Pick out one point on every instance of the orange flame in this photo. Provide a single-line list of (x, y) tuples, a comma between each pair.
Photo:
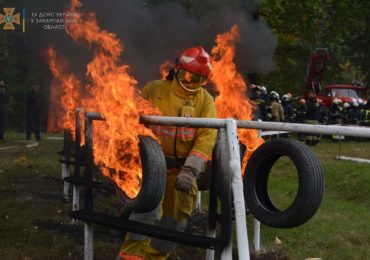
[(232, 100), (63, 87), (113, 93), (165, 68)]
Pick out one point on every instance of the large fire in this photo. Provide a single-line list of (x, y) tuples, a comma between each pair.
[(232, 100), (113, 92)]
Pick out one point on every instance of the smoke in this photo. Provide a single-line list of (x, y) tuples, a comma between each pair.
[(153, 33)]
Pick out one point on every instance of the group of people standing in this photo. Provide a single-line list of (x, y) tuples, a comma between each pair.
[(33, 110), (270, 107), (285, 109)]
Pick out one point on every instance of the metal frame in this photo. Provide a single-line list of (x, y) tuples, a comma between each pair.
[(231, 126)]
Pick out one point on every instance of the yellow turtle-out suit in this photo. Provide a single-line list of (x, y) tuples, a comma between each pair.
[(177, 142)]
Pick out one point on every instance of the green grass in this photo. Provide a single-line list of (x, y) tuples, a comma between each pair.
[(35, 223), (341, 227)]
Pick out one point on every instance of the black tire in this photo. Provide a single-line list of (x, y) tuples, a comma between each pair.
[(221, 188), (310, 188), (153, 181)]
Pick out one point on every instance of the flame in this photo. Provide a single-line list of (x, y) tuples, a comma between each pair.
[(63, 87), (112, 91), (164, 69), (232, 100)]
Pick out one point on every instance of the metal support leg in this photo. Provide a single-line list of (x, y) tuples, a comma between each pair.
[(237, 189), (66, 184), (76, 201), (198, 206), (256, 235), (210, 254), (89, 250), (65, 173)]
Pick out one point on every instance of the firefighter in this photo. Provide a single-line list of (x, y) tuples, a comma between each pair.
[(345, 113), (323, 111), (366, 114), (3, 104), (259, 99), (187, 150), (277, 111), (289, 109), (312, 117), (354, 115), (335, 112), (301, 115)]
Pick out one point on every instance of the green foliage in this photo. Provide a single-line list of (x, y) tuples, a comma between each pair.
[(341, 26)]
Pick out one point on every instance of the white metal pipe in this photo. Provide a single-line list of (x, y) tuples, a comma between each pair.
[(256, 223), (307, 129), (290, 127), (237, 189), (353, 159), (89, 249), (256, 235)]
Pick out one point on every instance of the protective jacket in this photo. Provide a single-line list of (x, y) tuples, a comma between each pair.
[(172, 100), (277, 111)]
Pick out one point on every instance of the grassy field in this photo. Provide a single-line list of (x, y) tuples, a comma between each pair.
[(35, 224)]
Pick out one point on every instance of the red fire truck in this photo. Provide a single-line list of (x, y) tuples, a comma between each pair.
[(348, 93)]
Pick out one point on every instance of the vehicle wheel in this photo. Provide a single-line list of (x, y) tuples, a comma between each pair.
[(310, 183), (153, 180)]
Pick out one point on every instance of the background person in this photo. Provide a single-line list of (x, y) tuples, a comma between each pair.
[(3, 105), (33, 103)]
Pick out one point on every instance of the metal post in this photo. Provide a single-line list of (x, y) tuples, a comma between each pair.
[(257, 225), (237, 189), (89, 250), (198, 206), (65, 173), (77, 165), (88, 175), (210, 253), (256, 235), (76, 198)]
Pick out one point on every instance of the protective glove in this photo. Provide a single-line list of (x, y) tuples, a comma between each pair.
[(188, 172)]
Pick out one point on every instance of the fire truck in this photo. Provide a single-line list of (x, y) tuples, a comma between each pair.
[(348, 93)]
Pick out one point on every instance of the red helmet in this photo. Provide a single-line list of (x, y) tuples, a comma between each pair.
[(195, 60)]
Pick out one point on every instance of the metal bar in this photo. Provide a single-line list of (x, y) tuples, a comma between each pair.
[(237, 189), (353, 159), (290, 127), (147, 230), (89, 246), (308, 129), (89, 165), (94, 116), (77, 163), (183, 121)]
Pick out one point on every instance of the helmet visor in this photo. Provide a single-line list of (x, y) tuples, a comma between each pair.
[(188, 78)]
